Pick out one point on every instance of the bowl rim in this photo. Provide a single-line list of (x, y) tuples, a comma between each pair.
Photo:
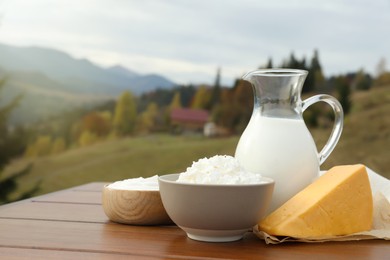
[(105, 187), (163, 178)]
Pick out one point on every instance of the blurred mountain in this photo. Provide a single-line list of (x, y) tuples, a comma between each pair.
[(120, 70), (78, 75), (51, 81)]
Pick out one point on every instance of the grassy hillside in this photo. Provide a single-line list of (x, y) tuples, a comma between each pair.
[(366, 139), (43, 97), (120, 159), (366, 135)]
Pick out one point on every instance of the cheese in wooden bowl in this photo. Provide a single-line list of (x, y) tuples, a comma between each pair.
[(135, 201), (337, 203)]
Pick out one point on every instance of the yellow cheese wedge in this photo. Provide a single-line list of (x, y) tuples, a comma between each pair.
[(337, 203)]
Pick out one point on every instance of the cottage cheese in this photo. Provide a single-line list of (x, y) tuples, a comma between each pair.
[(220, 169), (140, 183)]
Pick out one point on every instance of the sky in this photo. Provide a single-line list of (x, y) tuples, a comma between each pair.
[(187, 40)]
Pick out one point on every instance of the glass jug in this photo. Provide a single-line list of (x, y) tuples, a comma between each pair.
[(276, 142)]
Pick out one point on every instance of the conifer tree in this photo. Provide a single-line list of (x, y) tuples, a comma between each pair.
[(216, 92), (269, 64), (315, 78)]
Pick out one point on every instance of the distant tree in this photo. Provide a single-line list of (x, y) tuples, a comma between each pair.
[(125, 115), (176, 101), (9, 148), (243, 100), (266, 65), (216, 91), (226, 113), (315, 78), (292, 63), (315, 62), (163, 97), (187, 92), (381, 67), (98, 123), (311, 116), (269, 64), (382, 80), (148, 119), (201, 99), (236, 106), (243, 94), (106, 115), (344, 93), (316, 69), (362, 80)]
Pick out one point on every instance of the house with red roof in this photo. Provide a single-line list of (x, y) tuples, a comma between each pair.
[(188, 120)]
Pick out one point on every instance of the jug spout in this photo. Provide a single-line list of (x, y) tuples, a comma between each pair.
[(277, 92), (274, 73)]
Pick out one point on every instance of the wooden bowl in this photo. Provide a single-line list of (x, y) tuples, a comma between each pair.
[(135, 207)]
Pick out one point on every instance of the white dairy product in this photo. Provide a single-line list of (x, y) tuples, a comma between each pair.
[(219, 169), (281, 149), (140, 183)]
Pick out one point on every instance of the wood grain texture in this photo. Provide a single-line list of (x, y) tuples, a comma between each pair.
[(165, 241), (48, 211), (134, 207), (28, 254), (72, 230), (73, 196)]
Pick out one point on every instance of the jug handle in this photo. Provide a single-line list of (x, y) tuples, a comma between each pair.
[(337, 126)]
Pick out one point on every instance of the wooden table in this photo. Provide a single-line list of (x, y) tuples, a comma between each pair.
[(71, 224)]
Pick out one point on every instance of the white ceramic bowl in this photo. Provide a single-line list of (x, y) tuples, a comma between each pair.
[(215, 213)]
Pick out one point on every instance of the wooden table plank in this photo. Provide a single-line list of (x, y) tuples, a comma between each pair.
[(29, 253), (165, 241), (72, 196), (75, 236), (73, 204), (50, 211), (71, 224)]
